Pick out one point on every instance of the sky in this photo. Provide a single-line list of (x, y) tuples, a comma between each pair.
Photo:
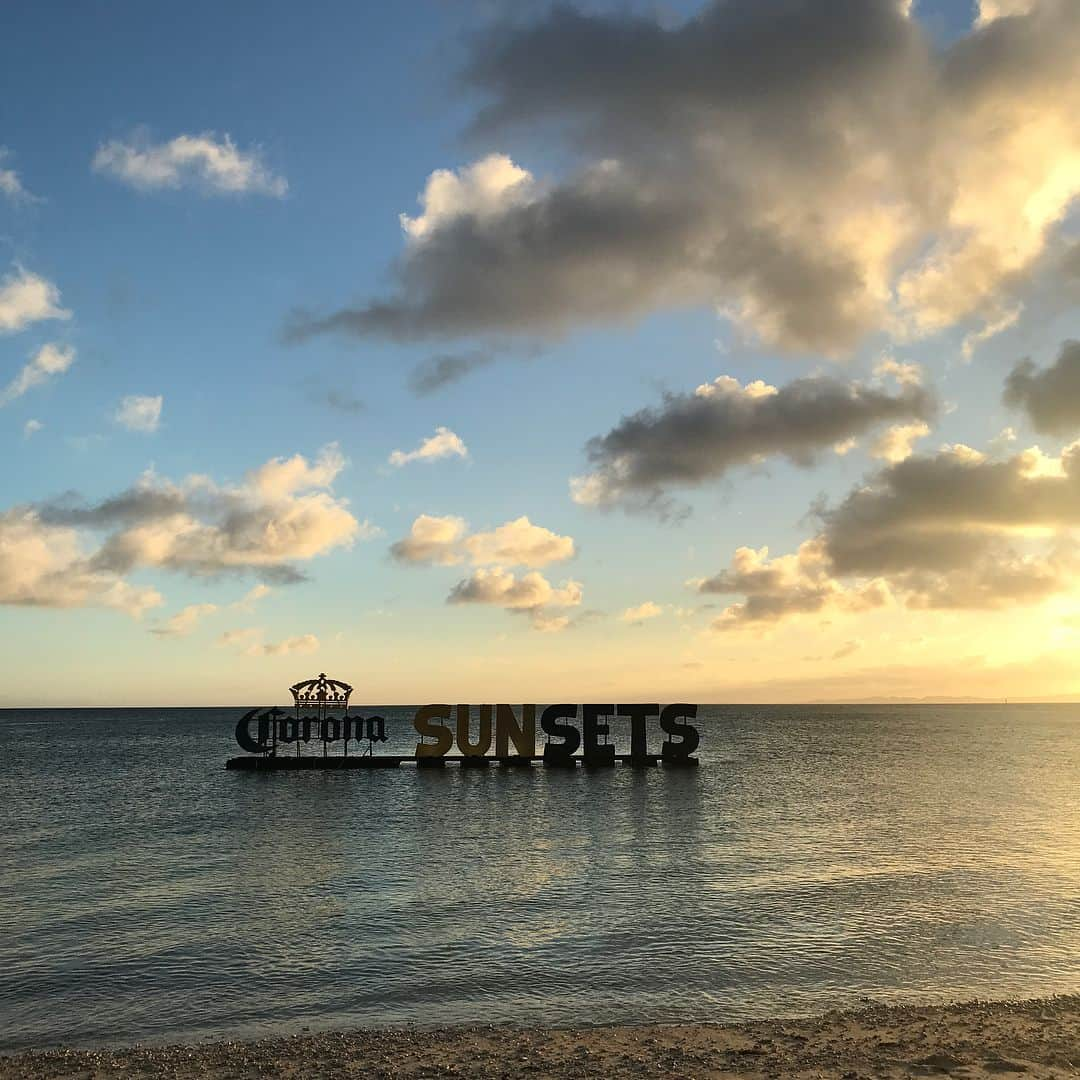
[(491, 352)]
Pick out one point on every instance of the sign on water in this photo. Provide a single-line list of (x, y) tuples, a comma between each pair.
[(320, 715)]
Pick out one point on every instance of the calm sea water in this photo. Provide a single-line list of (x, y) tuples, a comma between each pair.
[(820, 855)]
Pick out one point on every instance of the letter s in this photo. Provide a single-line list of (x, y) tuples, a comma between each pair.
[(669, 723), (426, 728), (549, 722)]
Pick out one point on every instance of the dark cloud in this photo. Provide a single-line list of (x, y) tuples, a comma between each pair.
[(439, 371), (137, 504), (953, 530), (938, 512), (693, 438), (343, 402), (1051, 396), (815, 167)]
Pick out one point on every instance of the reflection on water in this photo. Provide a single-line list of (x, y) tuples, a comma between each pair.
[(819, 855)]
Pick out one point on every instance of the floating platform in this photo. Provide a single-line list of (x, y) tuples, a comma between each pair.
[(291, 763)]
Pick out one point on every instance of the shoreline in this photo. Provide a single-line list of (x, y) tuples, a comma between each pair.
[(1031, 1038)]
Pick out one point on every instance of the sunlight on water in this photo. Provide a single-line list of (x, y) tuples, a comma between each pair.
[(819, 855)]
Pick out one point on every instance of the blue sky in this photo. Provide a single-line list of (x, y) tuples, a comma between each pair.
[(181, 291)]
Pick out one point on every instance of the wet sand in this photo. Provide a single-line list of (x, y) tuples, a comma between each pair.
[(976, 1039)]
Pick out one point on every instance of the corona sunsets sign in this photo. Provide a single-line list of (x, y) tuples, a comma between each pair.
[(481, 735)]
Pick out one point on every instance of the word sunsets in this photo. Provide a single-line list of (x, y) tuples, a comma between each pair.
[(500, 726)]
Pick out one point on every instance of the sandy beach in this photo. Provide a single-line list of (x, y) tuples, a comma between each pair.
[(1039, 1038)]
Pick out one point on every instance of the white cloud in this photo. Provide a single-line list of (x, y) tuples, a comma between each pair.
[(184, 621), (444, 443), (137, 412), (638, 614), (27, 298), (445, 541), (11, 187), (48, 361), (483, 189), (989, 10), (31, 427), (211, 165), (43, 565), (432, 539), (905, 373), (897, 443), (281, 477)]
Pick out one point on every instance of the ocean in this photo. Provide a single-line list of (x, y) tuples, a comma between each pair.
[(820, 856)]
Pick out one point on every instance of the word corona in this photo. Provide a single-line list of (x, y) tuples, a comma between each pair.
[(558, 723)]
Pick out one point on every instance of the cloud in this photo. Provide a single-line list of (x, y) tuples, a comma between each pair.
[(137, 412), (445, 541), (530, 594), (849, 648), (343, 402), (31, 427), (989, 10), (44, 565), (897, 443), (11, 187), (439, 371), (1051, 396), (694, 438), (252, 597), (50, 360), (1008, 318), (249, 642), (820, 171), (444, 443), (281, 514), (638, 615), (184, 621), (304, 644), (432, 539), (27, 298), (952, 530), (204, 162), (789, 585)]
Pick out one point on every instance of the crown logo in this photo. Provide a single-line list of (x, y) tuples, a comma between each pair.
[(320, 693)]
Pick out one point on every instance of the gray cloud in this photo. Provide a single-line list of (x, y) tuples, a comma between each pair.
[(1050, 396), (693, 438), (282, 514), (799, 164), (939, 512), (439, 371), (343, 402), (953, 530)]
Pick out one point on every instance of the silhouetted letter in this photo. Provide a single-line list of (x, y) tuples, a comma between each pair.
[(639, 736), (549, 722), (592, 729), (669, 723), (424, 722), (243, 733), (508, 730), (483, 741)]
